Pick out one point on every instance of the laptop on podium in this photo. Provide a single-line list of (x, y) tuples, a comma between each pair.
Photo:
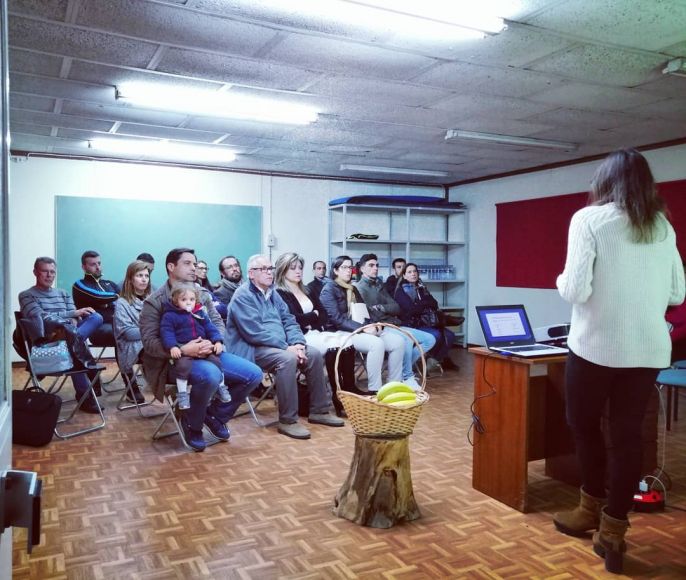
[(507, 330)]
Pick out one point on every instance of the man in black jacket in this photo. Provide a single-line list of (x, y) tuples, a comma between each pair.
[(319, 271), (97, 293)]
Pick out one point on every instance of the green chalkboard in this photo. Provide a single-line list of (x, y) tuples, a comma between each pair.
[(120, 229)]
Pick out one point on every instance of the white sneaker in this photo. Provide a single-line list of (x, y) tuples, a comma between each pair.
[(223, 394), (412, 382), (183, 400)]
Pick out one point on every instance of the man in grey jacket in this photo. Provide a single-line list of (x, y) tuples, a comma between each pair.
[(230, 278), (261, 328), (240, 375), (383, 308)]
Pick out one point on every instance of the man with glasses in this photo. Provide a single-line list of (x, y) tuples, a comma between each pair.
[(383, 308), (230, 278), (240, 375), (261, 328)]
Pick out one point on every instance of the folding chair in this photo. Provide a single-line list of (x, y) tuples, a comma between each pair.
[(268, 392), (103, 345), (125, 404), (173, 414), (58, 380)]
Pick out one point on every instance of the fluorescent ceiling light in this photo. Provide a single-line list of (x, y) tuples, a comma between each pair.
[(164, 149), (392, 170), (676, 67), (454, 134), (215, 104), (479, 16)]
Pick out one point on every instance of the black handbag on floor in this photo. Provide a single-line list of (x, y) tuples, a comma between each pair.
[(34, 416)]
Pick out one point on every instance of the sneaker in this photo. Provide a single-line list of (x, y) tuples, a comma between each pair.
[(137, 396), (217, 428), (294, 430), (326, 419), (194, 438), (412, 383), (223, 394), (447, 363), (183, 400)]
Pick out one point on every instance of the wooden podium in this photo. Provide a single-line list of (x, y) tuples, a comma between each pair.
[(520, 404)]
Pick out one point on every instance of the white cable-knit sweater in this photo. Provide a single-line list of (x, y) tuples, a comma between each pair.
[(620, 289)]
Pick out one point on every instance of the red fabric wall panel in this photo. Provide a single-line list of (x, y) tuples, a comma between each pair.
[(531, 237)]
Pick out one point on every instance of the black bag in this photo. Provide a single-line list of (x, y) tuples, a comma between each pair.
[(34, 416), (431, 319)]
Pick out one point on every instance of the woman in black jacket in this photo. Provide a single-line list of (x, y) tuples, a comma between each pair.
[(338, 298), (311, 316), (419, 309)]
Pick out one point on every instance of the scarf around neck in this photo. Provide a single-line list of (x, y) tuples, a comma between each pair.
[(349, 292)]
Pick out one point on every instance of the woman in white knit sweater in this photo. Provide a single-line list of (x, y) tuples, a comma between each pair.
[(622, 271)]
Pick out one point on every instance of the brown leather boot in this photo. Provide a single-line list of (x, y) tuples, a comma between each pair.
[(608, 542), (583, 518)]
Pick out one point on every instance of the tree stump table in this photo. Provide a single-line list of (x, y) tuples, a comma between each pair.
[(378, 490)]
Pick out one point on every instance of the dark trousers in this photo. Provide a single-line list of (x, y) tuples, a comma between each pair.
[(184, 365), (626, 391)]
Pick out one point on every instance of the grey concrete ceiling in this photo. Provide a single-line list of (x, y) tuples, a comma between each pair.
[(582, 71)]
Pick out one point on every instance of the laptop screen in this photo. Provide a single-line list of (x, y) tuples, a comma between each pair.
[(505, 325)]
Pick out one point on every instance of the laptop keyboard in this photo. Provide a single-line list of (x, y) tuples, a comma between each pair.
[(527, 348)]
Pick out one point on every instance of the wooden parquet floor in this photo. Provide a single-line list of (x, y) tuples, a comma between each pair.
[(117, 505)]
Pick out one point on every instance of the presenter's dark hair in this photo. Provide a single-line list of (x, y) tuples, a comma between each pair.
[(89, 254), (337, 263), (174, 255), (624, 178)]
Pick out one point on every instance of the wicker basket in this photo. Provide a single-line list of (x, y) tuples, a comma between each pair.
[(368, 417)]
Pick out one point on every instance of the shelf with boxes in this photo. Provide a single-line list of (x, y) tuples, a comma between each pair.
[(434, 238)]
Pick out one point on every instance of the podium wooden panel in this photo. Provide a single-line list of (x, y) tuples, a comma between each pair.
[(523, 420)]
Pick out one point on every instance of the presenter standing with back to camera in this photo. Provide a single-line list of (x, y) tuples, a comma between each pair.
[(622, 271)]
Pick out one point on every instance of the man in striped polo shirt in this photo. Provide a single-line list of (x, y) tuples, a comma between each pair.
[(49, 309)]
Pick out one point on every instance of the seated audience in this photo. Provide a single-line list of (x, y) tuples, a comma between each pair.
[(392, 281), (239, 375), (201, 278), (231, 278), (311, 316), (260, 328), (319, 271), (338, 298), (419, 309), (383, 308), (182, 322), (127, 311), (150, 261), (49, 310), (93, 291)]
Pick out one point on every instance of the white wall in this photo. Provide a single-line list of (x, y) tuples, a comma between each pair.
[(543, 306), (294, 210)]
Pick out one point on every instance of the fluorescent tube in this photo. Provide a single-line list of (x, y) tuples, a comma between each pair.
[(455, 134), (164, 149), (392, 170)]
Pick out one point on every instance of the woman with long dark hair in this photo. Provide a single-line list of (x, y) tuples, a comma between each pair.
[(419, 309), (339, 298), (621, 273)]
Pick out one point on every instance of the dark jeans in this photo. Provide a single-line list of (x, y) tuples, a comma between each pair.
[(183, 365), (240, 376), (589, 388), (444, 341)]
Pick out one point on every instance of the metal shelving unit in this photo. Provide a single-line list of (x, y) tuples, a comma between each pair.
[(433, 238)]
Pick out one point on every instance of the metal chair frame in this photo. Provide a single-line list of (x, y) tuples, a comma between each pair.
[(124, 405), (270, 390), (59, 378), (172, 414)]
